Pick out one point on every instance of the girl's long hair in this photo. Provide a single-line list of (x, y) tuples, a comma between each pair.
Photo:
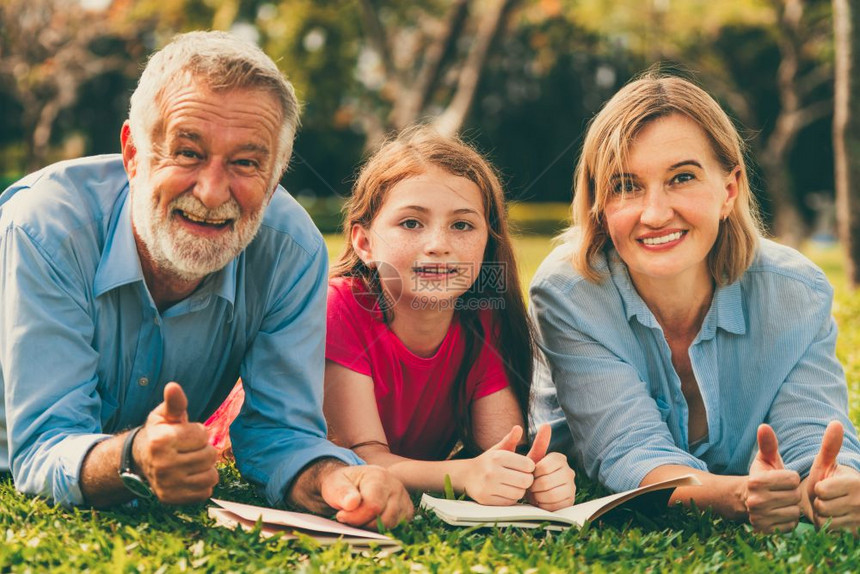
[(497, 286)]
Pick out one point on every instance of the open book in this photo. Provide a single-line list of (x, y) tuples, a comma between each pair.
[(292, 524), (467, 513)]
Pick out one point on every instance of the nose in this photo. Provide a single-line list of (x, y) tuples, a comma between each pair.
[(212, 187), (438, 242), (657, 210)]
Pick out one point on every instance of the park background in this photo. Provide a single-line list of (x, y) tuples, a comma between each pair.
[(519, 79)]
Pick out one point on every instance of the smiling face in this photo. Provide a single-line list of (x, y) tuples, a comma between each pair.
[(428, 239), (663, 214), (199, 195)]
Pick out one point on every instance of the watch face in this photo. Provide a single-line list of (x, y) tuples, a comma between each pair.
[(136, 485)]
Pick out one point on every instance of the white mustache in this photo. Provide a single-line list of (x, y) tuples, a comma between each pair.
[(193, 206)]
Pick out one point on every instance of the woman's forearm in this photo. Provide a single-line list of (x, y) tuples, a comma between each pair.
[(726, 495)]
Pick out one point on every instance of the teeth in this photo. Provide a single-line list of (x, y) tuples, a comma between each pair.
[(436, 270), (196, 219), (661, 240)]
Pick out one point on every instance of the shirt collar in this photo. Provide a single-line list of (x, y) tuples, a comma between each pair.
[(726, 312), (120, 264)]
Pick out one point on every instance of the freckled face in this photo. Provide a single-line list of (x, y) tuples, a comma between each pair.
[(663, 214), (431, 235), (198, 198)]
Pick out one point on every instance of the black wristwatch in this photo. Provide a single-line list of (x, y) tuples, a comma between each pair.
[(132, 481)]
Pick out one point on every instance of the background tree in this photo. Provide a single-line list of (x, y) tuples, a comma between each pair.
[(846, 133), (49, 51)]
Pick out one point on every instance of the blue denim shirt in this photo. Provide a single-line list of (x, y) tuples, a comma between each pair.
[(765, 353), (85, 353)]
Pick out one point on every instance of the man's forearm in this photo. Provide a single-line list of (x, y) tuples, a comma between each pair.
[(306, 490), (100, 482)]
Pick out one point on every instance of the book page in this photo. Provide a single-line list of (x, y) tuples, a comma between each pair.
[(297, 520), (471, 513), (592, 509)]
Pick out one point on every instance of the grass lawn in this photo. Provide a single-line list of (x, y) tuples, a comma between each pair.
[(35, 537)]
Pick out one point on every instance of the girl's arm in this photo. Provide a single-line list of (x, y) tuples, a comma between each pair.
[(499, 476)]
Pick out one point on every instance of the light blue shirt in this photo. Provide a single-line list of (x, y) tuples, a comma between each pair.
[(85, 353), (765, 353)]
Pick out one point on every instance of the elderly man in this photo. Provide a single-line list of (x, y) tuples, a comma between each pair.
[(135, 290)]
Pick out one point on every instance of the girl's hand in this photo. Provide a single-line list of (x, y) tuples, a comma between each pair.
[(772, 492), (499, 476), (833, 489), (553, 487)]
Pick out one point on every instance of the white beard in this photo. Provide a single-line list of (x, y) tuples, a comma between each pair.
[(180, 253)]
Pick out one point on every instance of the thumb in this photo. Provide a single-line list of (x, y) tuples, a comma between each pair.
[(768, 447), (541, 443), (175, 405), (339, 492), (511, 440), (831, 443)]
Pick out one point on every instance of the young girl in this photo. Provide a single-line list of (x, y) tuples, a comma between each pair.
[(428, 340)]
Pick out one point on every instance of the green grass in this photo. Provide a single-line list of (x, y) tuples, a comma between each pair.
[(35, 537)]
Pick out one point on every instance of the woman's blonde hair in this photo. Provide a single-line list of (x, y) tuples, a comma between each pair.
[(605, 151)]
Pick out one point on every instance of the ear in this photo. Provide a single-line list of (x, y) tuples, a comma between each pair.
[(129, 150), (732, 185), (361, 244)]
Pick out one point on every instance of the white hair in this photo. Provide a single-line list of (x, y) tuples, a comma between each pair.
[(221, 62)]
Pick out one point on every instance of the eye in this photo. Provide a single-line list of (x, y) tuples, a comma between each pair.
[(462, 226), (410, 224), (186, 155), (623, 185), (246, 166), (683, 178)]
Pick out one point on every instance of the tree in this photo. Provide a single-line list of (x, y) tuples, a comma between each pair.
[(846, 132), (49, 49)]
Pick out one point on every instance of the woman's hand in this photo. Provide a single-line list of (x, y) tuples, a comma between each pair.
[(833, 489), (773, 492), (499, 476), (553, 487)]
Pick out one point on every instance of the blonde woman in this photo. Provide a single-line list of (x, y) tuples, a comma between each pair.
[(678, 339)]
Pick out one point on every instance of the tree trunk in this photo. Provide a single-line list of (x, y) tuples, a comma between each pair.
[(846, 133)]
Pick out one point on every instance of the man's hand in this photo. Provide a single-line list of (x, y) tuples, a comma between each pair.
[(773, 492), (553, 487), (361, 494), (833, 489), (499, 476), (174, 455)]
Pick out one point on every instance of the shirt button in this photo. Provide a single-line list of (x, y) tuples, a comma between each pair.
[(143, 381)]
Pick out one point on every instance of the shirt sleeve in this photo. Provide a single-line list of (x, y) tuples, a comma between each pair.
[(52, 404), (280, 429), (813, 394), (618, 430), (345, 344)]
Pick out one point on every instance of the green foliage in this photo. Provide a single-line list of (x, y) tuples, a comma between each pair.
[(36, 537)]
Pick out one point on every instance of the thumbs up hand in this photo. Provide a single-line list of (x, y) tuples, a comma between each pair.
[(833, 489), (174, 455), (553, 487), (499, 476), (772, 492)]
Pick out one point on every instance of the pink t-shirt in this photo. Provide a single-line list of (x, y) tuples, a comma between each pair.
[(412, 392)]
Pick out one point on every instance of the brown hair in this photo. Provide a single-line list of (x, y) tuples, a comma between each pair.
[(410, 154), (604, 153)]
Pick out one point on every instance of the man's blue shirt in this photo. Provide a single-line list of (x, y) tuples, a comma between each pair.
[(84, 353), (765, 354)]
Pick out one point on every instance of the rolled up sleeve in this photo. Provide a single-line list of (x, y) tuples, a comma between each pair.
[(281, 428), (618, 430), (52, 407)]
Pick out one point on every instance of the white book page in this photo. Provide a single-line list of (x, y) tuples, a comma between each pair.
[(296, 520), (464, 511)]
